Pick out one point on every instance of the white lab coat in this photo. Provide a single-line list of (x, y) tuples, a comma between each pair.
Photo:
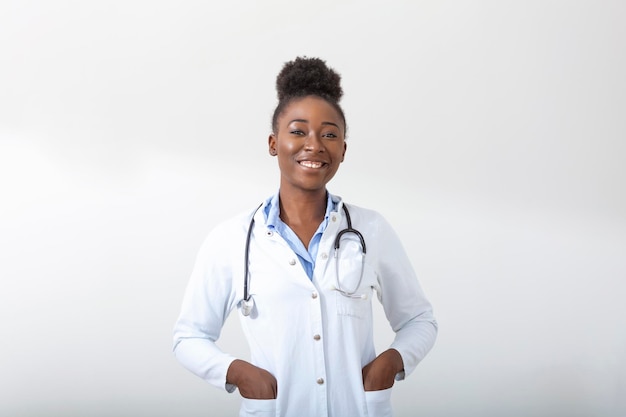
[(313, 339)]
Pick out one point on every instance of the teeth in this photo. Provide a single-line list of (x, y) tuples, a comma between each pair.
[(311, 164)]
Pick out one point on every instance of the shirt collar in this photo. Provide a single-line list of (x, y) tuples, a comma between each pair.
[(271, 210)]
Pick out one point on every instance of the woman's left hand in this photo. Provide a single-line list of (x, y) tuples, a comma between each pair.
[(380, 373)]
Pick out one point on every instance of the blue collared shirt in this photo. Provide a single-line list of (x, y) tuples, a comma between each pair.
[(271, 209)]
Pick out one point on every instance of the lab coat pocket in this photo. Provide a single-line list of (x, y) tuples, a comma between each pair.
[(351, 305), (257, 408), (378, 403), (349, 266), (354, 280)]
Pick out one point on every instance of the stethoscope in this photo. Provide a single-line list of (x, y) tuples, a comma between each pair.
[(248, 302)]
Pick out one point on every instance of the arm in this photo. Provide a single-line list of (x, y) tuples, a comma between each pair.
[(407, 309), (208, 300)]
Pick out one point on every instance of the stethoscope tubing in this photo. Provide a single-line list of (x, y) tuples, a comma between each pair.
[(247, 302), (246, 273), (349, 229)]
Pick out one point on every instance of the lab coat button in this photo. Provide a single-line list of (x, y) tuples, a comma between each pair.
[(334, 218), (324, 255), (314, 295), (317, 337), (320, 381), (292, 262), (270, 233)]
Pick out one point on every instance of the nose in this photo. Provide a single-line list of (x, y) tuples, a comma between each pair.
[(313, 143)]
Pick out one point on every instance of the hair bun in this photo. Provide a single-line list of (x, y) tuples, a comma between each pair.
[(308, 76)]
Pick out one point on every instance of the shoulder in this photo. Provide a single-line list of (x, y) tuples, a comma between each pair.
[(366, 216), (228, 231), (362, 211), (372, 224), (239, 221)]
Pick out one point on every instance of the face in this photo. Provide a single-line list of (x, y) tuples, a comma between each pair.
[(309, 143)]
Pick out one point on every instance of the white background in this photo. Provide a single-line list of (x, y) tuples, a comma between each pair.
[(491, 134)]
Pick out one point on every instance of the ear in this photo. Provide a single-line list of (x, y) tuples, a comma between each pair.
[(271, 142), (345, 147)]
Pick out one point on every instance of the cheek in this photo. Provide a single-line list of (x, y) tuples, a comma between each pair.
[(339, 153), (287, 146)]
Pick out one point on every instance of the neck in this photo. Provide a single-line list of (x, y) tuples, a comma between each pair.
[(302, 208)]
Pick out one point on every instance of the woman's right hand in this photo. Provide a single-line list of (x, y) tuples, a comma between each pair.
[(253, 382)]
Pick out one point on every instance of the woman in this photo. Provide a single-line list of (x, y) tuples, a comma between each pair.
[(305, 305)]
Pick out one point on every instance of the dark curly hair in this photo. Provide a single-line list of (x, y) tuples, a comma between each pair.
[(307, 77)]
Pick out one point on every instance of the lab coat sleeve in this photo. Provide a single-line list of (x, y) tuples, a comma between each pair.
[(208, 299), (409, 312)]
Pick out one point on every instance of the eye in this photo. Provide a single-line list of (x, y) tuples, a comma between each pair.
[(297, 132), (330, 135)]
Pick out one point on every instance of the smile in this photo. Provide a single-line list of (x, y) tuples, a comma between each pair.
[(311, 164)]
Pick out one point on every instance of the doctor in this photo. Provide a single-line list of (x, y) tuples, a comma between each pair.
[(306, 308)]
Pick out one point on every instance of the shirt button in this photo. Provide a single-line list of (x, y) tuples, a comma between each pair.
[(317, 337), (314, 295), (292, 262), (320, 381), (324, 255)]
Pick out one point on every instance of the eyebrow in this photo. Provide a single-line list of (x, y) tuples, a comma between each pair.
[(323, 123)]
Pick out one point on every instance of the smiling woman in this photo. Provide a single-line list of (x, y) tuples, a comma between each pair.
[(309, 143), (305, 284)]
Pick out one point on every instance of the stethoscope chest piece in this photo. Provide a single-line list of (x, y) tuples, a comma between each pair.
[(247, 306)]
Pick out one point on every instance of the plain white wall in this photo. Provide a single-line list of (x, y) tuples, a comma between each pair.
[(491, 134)]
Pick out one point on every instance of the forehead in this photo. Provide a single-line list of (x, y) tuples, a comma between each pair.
[(312, 109)]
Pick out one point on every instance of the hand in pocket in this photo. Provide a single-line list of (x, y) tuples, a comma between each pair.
[(380, 373), (253, 382)]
